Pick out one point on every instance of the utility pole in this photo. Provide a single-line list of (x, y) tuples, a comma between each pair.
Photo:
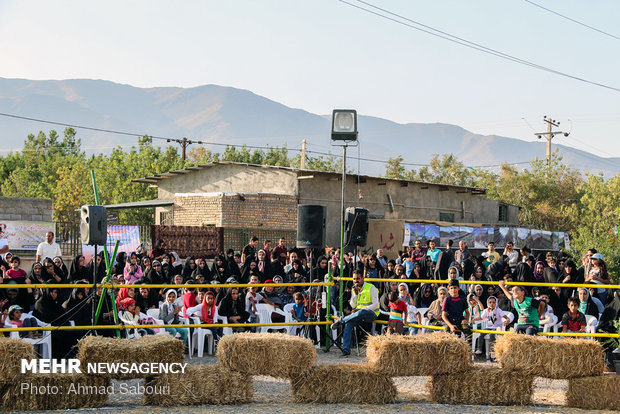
[(550, 134), (183, 147), (302, 164)]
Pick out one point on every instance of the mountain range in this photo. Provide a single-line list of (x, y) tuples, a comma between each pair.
[(227, 115)]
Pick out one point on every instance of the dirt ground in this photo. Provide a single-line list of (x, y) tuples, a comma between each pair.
[(274, 396)]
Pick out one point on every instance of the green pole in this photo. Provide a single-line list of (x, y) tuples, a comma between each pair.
[(92, 175), (328, 316)]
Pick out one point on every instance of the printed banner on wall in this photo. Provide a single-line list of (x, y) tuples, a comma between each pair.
[(128, 237), (24, 235)]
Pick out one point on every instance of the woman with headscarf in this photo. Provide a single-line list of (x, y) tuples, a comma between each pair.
[(54, 274), (79, 270), (480, 293), (188, 268), (124, 293), (207, 311), (321, 268), (61, 265), (423, 296), (121, 262), (146, 265), (202, 269), (233, 307), (538, 272), (435, 310), (48, 309), (147, 298), (176, 267), (586, 304), (263, 265), (36, 273), (99, 263), (468, 268), (251, 269), (219, 272), (78, 308), (231, 265), (478, 276), (297, 273), (155, 276), (169, 314)]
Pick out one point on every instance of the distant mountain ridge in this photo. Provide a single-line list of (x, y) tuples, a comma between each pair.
[(221, 114)]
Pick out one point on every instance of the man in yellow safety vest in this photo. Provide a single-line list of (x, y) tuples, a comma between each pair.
[(365, 304)]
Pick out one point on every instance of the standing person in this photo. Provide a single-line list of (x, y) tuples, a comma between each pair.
[(417, 253), (381, 259), (365, 304), (529, 310), (490, 255), (279, 249), (462, 253), (48, 248), (267, 249), (598, 274), (249, 251), (432, 251), (4, 243), (398, 314), (455, 311), (512, 255)]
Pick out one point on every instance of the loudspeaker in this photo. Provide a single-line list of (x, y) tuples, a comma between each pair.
[(311, 226), (355, 226), (94, 225)]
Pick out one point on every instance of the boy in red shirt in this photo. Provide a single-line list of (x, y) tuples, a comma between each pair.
[(398, 313), (573, 320)]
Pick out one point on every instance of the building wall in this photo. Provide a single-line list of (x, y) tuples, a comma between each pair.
[(410, 202), (230, 179), (25, 209), (270, 211)]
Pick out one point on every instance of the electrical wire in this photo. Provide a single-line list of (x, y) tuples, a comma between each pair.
[(463, 42), (573, 20)]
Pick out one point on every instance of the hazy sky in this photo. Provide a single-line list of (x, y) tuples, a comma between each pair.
[(322, 54)]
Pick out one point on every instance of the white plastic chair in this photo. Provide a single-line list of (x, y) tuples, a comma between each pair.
[(288, 315), (154, 313), (199, 338), (226, 330), (187, 321), (591, 324), (547, 327), (264, 311), (45, 341)]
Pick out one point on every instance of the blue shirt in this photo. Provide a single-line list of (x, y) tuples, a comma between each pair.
[(434, 254), (408, 267), (300, 311)]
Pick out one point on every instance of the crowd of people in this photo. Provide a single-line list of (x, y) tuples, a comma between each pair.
[(453, 305)]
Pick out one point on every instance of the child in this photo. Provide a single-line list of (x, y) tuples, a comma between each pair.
[(189, 298), (207, 312), (573, 320), (15, 314), (169, 313), (398, 314), (130, 315), (413, 315), (455, 312), (528, 309), (495, 318), (15, 272), (299, 311), (251, 299)]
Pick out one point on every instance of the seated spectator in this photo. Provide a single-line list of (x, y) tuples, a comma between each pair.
[(130, 315), (573, 320), (434, 311), (529, 310), (207, 312), (233, 308), (15, 272), (14, 314), (547, 315), (169, 313), (586, 304), (495, 318), (287, 296)]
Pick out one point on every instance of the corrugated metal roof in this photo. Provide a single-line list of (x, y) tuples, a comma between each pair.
[(140, 204), (154, 179)]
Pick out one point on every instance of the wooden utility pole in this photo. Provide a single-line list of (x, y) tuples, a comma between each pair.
[(550, 134), (184, 144), (302, 164)]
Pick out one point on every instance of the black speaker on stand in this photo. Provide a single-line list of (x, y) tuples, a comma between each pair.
[(311, 226), (94, 225)]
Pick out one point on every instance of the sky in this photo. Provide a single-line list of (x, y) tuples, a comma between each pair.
[(318, 55)]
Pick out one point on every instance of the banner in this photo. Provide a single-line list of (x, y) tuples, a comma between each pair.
[(24, 235), (128, 237)]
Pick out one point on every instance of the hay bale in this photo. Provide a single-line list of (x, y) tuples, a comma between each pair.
[(550, 357), (482, 386), (415, 355), (273, 354), (343, 383), (149, 348), (594, 393), (201, 384), (54, 392), (12, 351)]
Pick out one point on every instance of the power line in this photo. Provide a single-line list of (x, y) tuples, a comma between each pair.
[(573, 20), (463, 42)]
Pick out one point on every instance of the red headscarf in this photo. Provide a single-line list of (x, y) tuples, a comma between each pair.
[(127, 302), (123, 293), (208, 312)]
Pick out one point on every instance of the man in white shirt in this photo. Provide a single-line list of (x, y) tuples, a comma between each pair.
[(4, 243), (48, 248)]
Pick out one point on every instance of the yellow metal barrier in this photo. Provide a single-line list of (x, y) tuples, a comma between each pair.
[(486, 282), (156, 286)]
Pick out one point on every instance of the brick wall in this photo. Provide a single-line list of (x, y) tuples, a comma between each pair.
[(25, 209), (270, 211)]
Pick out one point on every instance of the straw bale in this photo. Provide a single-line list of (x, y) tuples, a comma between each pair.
[(12, 351), (594, 393), (550, 357), (149, 348), (482, 386), (343, 383), (415, 355), (273, 354), (200, 384), (37, 392)]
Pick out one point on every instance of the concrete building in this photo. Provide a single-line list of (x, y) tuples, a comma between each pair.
[(227, 194)]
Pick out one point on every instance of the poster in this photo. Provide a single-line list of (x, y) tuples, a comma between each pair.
[(547, 239), (24, 235), (504, 235), (467, 235), (537, 242), (449, 233), (128, 237), (413, 231), (482, 237), (523, 238), (431, 232)]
